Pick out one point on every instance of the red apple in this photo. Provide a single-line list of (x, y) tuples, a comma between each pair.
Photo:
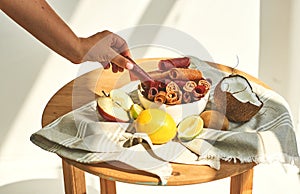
[(111, 111)]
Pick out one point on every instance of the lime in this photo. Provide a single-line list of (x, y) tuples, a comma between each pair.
[(135, 110), (159, 125), (190, 127)]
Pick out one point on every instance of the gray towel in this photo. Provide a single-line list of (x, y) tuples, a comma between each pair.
[(84, 136)]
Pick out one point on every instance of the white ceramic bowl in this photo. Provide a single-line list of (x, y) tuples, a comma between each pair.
[(179, 111)]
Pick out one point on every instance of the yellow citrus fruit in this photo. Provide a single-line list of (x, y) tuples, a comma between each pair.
[(190, 127), (159, 125)]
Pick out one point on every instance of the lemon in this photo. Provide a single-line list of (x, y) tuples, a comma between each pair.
[(190, 127), (135, 110), (158, 124)]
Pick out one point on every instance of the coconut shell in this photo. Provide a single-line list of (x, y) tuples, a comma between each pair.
[(234, 109)]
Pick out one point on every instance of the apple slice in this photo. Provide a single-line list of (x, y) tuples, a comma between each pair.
[(111, 111), (121, 98)]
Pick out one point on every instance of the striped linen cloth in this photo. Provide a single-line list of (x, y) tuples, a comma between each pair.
[(84, 136)]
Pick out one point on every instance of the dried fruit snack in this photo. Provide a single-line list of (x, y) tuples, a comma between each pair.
[(166, 64), (175, 84)]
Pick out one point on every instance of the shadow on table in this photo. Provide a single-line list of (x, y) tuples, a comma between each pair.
[(38, 186)]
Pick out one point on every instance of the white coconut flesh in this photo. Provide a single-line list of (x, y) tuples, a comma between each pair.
[(240, 89)]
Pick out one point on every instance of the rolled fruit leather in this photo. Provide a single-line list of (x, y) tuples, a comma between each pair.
[(163, 66), (138, 72), (183, 62), (185, 74)]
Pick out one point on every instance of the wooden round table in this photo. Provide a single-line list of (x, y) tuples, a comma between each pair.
[(85, 89)]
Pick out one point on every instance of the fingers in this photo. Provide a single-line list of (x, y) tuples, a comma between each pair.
[(118, 49), (114, 68), (122, 62), (109, 49), (106, 65), (118, 62)]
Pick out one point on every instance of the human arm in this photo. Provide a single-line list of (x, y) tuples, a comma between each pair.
[(40, 20)]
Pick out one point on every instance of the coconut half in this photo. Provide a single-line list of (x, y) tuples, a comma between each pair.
[(234, 97)]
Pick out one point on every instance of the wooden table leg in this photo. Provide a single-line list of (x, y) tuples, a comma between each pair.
[(107, 186), (74, 179), (242, 183)]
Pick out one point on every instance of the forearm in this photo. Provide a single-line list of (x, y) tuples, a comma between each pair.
[(39, 19)]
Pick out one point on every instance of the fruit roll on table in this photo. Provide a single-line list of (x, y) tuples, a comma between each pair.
[(160, 97), (187, 97), (185, 74), (152, 93), (189, 86), (180, 83), (183, 62), (199, 92), (172, 86), (174, 97), (159, 75), (205, 83)]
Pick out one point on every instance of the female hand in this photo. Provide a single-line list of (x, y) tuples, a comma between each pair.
[(40, 20), (107, 48)]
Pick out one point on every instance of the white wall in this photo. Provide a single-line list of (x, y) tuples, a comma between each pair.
[(279, 51), (225, 28)]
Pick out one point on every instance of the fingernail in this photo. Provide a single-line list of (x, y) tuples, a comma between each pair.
[(129, 66)]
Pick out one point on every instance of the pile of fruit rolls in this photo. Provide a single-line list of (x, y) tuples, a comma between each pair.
[(175, 83)]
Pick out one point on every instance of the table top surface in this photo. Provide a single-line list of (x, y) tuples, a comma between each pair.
[(89, 86)]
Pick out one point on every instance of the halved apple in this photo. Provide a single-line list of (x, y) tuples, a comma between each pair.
[(111, 111), (121, 98)]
